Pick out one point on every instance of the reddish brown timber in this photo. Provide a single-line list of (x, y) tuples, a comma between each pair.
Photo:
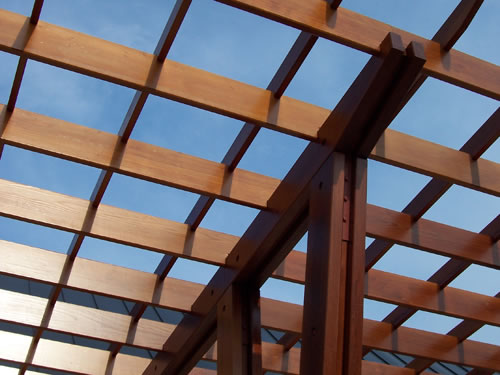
[(239, 343), (136, 159), (16, 85), (457, 23), (334, 289), (36, 11)]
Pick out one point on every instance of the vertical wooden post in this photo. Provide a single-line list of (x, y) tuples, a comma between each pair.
[(333, 299), (239, 346)]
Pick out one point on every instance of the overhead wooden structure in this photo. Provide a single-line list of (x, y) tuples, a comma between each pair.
[(324, 193)]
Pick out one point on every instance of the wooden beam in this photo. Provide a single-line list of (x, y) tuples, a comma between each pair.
[(104, 60), (333, 297), (239, 343), (60, 356), (103, 325), (171, 29), (457, 23), (113, 281), (16, 84), (104, 150), (421, 156), (366, 34), (137, 159), (423, 235)]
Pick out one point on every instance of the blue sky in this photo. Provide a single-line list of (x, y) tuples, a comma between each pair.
[(226, 41)]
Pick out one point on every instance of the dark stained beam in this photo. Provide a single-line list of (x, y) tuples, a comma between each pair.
[(456, 24), (334, 4), (239, 343), (37, 10), (16, 85), (272, 234), (448, 34), (333, 300)]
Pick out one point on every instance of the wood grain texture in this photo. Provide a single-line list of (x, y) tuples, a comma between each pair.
[(102, 59), (83, 321), (137, 159), (434, 160), (68, 213), (92, 147), (428, 296), (366, 34), (41, 265), (73, 358), (431, 236), (111, 223), (275, 359)]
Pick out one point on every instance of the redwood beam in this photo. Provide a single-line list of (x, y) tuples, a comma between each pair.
[(457, 23), (333, 300), (239, 344), (36, 11), (16, 85)]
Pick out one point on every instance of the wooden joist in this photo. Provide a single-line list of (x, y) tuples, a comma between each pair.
[(165, 236), (68, 357), (96, 148), (123, 283)]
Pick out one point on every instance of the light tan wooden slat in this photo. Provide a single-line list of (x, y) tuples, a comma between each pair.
[(137, 159), (105, 60), (106, 279), (67, 357), (424, 295), (366, 34), (95, 277), (103, 150), (439, 347), (103, 325), (111, 223), (431, 236), (434, 160), (4, 370), (61, 356), (131, 228)]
